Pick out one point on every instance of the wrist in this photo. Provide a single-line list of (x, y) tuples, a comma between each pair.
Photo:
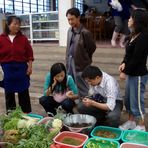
[(53, 85), (92, 102)]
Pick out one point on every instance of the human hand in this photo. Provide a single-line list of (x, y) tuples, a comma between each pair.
[(54, 82), (69, 94), (29, 70), (87, 102), (122, 76), (121, 67)]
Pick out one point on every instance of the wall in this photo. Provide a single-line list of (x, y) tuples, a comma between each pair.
[(1, 22), (64, 5)]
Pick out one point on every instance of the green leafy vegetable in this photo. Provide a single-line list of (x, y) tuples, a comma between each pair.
[(100, 143), (12, 124)]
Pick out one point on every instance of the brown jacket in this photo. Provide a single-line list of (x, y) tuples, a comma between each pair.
[(83, 50)]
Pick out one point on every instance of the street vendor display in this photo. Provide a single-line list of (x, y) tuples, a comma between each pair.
[(21, 130)]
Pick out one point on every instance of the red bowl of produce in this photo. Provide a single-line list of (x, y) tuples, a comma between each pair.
[(68, 139), (132, 145)]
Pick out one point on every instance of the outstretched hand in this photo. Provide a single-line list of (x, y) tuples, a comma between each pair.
[(69, 94), (87, 102)]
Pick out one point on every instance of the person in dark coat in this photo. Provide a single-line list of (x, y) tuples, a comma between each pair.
[(80, 49)]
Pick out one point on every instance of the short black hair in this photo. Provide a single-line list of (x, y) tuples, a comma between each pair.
[(9, 21), (91, 72), (73, 11)]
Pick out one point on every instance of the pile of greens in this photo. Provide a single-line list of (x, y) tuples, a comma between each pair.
[(35, 137), (100, 143), (21, 131)]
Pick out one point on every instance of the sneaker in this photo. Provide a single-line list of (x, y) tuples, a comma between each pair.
[(128, 125), (122, 45), (140, 128), (113, 43)]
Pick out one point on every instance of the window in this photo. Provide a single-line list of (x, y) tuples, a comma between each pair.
[(48, 5), (56, 5), (18, 6), (40, 6), (1, 6), (27, 6), (34, 6), (79, 5), (9, 6)]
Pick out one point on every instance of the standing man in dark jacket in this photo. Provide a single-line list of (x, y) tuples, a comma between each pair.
[(80, 48)]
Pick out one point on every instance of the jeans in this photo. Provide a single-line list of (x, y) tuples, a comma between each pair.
[(134, 95), (50, 105)]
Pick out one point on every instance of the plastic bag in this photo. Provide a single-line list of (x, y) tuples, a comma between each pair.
[(116, 5), (59, 97)]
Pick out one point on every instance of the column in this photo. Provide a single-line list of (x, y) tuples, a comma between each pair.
[(64, 5), (2, 22)]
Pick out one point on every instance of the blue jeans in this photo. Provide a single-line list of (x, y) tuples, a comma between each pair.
[(134, 95)]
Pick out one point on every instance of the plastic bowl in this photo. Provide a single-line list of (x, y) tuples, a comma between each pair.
[(85, 123), (101, 143), (45, 120), (106, 130), (135, 136), (3, 144), (70, 136), (35, 116), (132, 145)]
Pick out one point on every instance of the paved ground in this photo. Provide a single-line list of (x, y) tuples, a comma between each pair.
[(105, 57)]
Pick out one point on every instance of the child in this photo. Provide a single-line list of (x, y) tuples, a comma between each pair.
[(104, 100), (59, 89)]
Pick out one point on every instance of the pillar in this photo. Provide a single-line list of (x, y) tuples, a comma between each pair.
[(64, 5)]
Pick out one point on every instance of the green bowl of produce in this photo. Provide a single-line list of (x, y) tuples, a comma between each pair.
[(101, 143), (107, 132), (135, 136), (35, 116)]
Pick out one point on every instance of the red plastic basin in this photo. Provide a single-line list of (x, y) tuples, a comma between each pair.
[(132, 145), (71, 135)]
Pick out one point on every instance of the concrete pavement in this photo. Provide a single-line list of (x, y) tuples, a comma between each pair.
[(106, 57)]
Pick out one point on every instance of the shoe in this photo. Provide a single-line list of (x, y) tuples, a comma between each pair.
[(114, 38), (122, 45), (113, 43), (140, 128), (128, 125), (122, 41)]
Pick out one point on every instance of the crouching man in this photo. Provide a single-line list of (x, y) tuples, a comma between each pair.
[(103, 101)]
